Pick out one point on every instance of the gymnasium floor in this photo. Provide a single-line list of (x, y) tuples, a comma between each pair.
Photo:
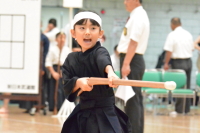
[(18, 122)]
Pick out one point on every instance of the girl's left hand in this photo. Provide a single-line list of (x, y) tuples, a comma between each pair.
[(111, 76)]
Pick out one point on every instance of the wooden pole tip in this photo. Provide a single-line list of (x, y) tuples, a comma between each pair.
[(170, 85)]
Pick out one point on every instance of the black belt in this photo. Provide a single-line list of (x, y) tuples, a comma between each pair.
[(181, 58), (123, 54), (98, 102)]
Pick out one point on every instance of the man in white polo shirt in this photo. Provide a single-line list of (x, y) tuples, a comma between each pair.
[(179, 47), (132, 46)]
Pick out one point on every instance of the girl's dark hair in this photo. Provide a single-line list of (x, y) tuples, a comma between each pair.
[(84, 21)]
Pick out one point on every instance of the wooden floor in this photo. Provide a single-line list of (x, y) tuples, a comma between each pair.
[(18, 122)]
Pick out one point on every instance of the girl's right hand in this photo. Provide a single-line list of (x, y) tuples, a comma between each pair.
[(83, 85), (56, 76)]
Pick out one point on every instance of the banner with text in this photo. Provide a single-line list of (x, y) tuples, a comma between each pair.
[(19, 46)]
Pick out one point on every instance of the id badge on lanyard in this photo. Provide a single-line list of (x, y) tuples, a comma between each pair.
[(125, 31)]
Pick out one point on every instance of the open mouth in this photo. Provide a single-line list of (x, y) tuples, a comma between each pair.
[(87, 40)]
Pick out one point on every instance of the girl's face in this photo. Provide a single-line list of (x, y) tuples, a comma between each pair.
[(86, 35), (61, 39)]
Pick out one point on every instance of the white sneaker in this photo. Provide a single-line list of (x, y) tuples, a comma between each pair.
[(32, 111), (174, 113)]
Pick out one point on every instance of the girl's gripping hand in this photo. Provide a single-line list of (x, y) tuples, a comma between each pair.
[(111, 76), (82, 83)]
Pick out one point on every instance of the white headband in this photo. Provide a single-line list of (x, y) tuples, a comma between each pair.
[(86, 15)]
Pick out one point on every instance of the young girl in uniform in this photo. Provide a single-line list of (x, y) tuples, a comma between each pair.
[(55, 58), (96, 112)]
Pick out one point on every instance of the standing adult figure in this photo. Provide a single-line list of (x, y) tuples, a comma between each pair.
[(197, 46), (132, 46), (51, 31), (55, 58), (179, 47)]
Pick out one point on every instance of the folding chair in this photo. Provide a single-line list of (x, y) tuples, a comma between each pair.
[(154, 75), (179, 77)]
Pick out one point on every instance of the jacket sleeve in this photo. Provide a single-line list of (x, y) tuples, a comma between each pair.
[(102, 60), (69, 81)]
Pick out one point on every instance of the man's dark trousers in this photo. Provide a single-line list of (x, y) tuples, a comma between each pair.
[(134, 106), (186, 65)]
